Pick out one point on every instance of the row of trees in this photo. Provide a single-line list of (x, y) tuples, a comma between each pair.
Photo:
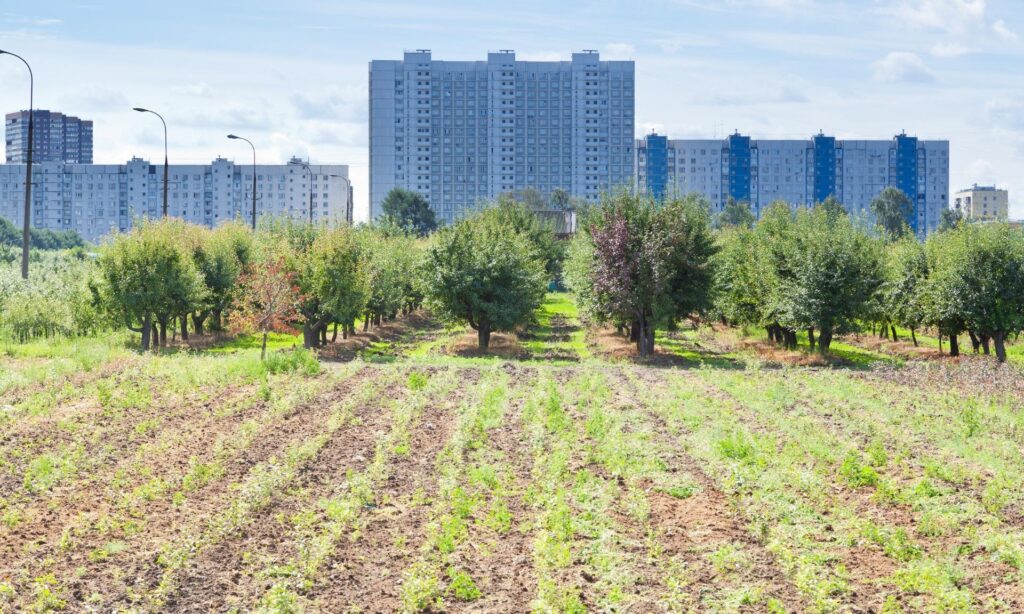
[(39, 238), (489, 271), (641, 265)]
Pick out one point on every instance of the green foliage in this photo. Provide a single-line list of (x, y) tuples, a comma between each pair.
[(977, 281), (893, 211), (906, 270), (735, 214), (148, 274), (299, 360), (462, 586), (409, 211), (639, 264), (39, 238), (483, 272), (523, 220)]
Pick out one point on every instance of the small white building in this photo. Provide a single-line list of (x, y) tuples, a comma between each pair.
[(97, 199), (983, 203)]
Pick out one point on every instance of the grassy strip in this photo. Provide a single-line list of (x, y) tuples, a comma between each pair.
[(463, 494), (322, 525), (795, 460)]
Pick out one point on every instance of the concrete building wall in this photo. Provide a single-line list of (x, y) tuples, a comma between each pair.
[(804, 172), (460, 133), (96, 199), (57, 138), (983, 203)]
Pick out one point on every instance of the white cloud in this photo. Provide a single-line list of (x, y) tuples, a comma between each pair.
[(618, 51), (333, 104), (951, 16), (999, 27), (902, 67), (202, 90), (981, 171), (950, 50), (1006, 113)]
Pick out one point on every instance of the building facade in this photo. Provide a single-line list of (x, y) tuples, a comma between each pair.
[(800, 172), (983, 203), (57, 138), (97, 199), (459, 133)]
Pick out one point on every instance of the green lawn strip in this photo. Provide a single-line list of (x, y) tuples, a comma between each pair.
[(468, 494), (542, 342), (46, 360), (321, 525), (133, 487), (841, 471)]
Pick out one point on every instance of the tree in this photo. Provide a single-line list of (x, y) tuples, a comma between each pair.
[(893, 211), (390, 260), (642, 265), (560, 199), (836, 269), (484, 273), (267, 299), (331, 279), (147, 276), (977, 281), (735, 214), (524, 221), (950, 219), (410, 211), (905, 272)]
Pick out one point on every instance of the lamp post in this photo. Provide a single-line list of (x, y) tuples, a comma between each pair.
[(234, 136), (26, 229), (141, 110)]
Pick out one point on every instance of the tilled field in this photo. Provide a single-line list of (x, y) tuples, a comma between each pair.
[(439, 483)]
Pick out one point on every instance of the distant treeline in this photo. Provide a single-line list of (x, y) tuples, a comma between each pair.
[(39, 238)]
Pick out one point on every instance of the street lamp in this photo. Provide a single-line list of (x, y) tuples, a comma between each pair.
[(141, 110), (233, 136), (26, 230)]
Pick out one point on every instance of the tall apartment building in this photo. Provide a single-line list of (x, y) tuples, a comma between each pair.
[(96, 199), (463, 132), (800, 172), (57, 138), (986, 203)]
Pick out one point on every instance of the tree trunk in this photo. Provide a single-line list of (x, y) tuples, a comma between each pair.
[(483, 335), (184, 328), (147, 331), (323, 334), (894, 337), (634, 332), (163, 331), (218, 324), (975, 342), (954, 345), (334, 336), (940, 343), (366, 321), (310, 334), (198, 320), (999, 339), (645, 337), (263, 347), (913, 336), (825, 341), (810, 337), (984, 343)]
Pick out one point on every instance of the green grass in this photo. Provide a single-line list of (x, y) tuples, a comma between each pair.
[(543, 341), (275, 341)]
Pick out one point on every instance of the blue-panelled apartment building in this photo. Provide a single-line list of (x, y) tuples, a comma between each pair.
[(800, 172)]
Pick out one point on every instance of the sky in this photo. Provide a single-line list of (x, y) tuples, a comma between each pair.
[(292, 76)]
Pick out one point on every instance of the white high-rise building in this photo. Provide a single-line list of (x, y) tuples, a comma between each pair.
[(463, 132), (983, 203), (800, 172), (96, 199)]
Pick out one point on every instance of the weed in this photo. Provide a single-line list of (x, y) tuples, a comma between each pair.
[(421, 588), (856, 473), (461, 585), (416, 381)]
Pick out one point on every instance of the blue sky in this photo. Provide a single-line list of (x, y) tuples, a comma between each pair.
[(292, 76)]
